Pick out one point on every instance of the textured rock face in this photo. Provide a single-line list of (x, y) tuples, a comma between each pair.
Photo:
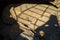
[(59, 11), (31, 16)]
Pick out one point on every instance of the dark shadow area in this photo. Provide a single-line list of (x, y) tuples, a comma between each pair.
[(46, 2), (11, 32), (9, 28), (51, 30)]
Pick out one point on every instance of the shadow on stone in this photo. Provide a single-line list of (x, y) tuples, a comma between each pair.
[(9, 28), (50, 29)]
